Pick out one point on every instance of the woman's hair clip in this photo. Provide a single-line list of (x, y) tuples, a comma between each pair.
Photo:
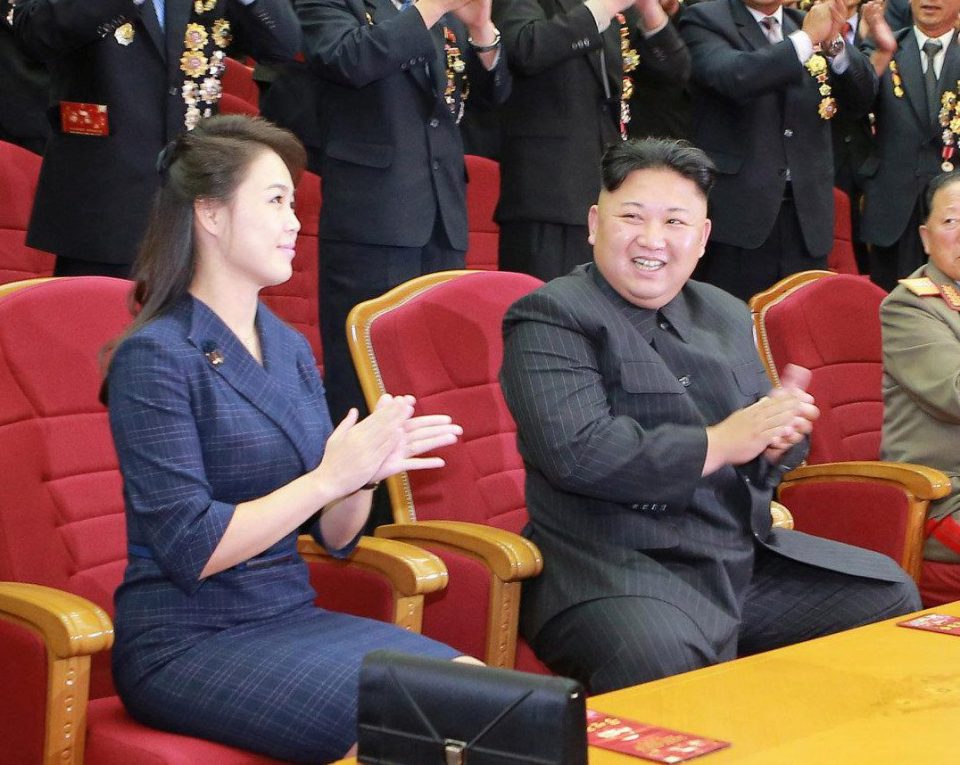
[(165, 158)]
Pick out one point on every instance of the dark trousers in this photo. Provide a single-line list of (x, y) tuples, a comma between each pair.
[(616, 642), (75, 267), (745, 272), (903, 257), (544, 250), (351, 273)]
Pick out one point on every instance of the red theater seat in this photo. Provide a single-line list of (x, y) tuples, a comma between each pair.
[(238, 81), (438, 337), (842, 258), (63, 543), (830, 324), (483, 191), (19, 170)]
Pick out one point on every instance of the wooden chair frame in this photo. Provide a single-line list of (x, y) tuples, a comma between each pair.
[(919, 484), (508, 557)]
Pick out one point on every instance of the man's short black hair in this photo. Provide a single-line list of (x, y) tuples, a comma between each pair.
[(624, 157), (942, 180)]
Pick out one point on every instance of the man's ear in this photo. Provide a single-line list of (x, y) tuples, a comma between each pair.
[(705, 236), (593, 218), (208, 215), (925, 238)]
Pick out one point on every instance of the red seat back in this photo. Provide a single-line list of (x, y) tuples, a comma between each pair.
[(61, 504), (842, 258), (483, 191), (443, 344), (296, 301), (238, 81), (19, 170), (831, 326)]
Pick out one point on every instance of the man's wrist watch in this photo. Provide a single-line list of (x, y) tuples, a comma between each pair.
[(486, 48), (834, 47)]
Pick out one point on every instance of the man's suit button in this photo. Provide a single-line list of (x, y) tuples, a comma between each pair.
[(404, 67), (664, 324), (436, 165), (173, 90), (788, 133), (434, 122), (746, 480), (684, 381)]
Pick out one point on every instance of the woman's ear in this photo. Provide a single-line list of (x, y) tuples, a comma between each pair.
[(208, 215)]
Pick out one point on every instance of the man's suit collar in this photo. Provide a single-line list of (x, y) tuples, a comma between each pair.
[(747, 25), (268, 388), (645, 320)]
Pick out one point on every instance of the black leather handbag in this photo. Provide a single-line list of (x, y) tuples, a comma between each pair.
[(419, 711)]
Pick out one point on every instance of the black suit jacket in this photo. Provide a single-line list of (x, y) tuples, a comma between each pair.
[(393, 157), (755, 114), (613, 441), (560, 117), (852, 142), (95, 192), (23, 92), (907, 149)]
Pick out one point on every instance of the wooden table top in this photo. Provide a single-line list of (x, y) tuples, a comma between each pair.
[(874, 695)]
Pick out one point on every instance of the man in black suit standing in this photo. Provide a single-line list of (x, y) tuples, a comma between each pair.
[(762, 100), (127, 76), (918, 66), (652, 444), (397, 78), (574, 65)]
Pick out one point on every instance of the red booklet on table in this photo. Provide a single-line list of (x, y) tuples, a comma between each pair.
[(647, 741), (934, 623)]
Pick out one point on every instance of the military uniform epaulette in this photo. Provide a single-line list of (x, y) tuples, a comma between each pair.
[(922, 286), (926, 287)]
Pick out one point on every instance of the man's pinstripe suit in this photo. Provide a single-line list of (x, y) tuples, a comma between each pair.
[(649, 568)]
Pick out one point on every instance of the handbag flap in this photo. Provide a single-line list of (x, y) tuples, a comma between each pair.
[(418, 711)]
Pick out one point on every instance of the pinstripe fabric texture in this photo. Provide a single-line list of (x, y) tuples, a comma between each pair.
[(242, 657), (611, 403)]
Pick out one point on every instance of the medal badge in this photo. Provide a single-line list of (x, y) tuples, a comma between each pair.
[(456, 76), (203, 64), (817, 66), (631, 60), (950, 122), (123, 34)]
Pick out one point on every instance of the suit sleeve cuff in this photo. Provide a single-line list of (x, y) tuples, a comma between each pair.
[(599, 11), (802, 45)]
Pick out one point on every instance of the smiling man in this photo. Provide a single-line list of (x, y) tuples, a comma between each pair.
[(921, 365), (652, 444)]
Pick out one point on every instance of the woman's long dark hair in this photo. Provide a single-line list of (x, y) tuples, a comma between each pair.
[(207, 163)]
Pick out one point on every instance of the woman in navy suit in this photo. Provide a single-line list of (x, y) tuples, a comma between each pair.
[(226, 449)]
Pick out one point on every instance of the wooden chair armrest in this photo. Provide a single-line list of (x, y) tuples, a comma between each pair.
[(410, 570), (923, 482), (510, 557), (72, 628), (69, 624), (782, 518)]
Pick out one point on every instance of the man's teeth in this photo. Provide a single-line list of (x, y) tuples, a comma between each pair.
[(649, 265)]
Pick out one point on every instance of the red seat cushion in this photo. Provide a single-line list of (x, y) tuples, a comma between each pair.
[(483, 191)]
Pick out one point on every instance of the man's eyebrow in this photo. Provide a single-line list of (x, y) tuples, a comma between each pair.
[(641, 206)]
